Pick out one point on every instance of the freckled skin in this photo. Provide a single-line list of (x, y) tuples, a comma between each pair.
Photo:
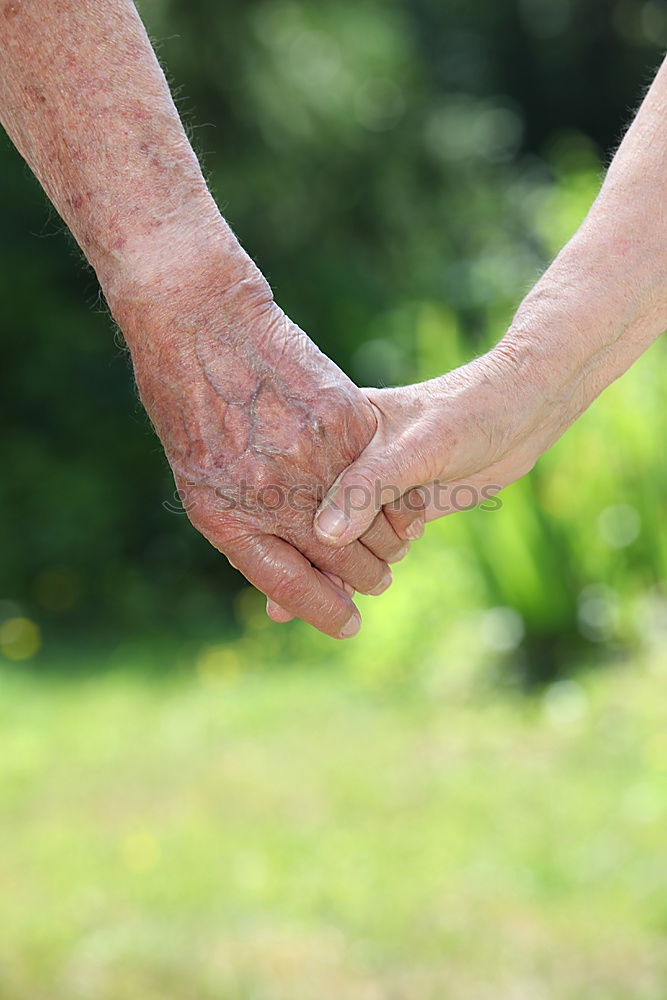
[(83, 98), (239, 396), (237, 393), (236, 418)]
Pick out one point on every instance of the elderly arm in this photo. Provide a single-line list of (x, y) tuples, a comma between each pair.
[(255, 421), (600, 304)]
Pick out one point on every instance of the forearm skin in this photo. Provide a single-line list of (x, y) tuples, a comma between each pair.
[(237, 393), (603, 300), (83, 98)]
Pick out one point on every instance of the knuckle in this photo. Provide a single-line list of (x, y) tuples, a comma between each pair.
[(415, 500), (288, 590), (407, 509), (263, 475), (359, 491), (344, 415)]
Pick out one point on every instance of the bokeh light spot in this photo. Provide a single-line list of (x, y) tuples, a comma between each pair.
[(597, 612), (502, 629), (619, 525), (564, 702), (20, 638)]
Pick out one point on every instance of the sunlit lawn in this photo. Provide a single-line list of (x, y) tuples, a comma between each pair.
[(294, 836)]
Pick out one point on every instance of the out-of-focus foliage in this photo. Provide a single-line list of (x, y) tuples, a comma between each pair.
[(401, 171)]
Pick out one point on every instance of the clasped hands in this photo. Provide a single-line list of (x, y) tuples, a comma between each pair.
[(308, 485), (257, 425)]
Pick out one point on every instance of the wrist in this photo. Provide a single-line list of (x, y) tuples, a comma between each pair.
[(192, 276), (153, 258)]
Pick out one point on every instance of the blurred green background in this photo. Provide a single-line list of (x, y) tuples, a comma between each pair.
[(467, 801)]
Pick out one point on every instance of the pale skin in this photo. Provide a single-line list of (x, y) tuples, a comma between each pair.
[(600, 304), (238, 394), (240, 397)]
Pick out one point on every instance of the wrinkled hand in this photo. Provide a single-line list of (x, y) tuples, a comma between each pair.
[(455, 441), (467, 434), (462, 437), (257, 423)]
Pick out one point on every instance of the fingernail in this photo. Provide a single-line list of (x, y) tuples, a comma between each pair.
[(352, 627), (401, 554), (332, 522), (384, 585), (415, 530)]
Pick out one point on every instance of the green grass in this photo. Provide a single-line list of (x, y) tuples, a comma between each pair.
[(297, 835)]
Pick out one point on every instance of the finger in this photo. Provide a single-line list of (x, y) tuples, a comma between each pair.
[(276, 613), (383, 541), (407, 515), (357, 496), (281, 615), (350, 507), (282, 573), (337, 582), (459, 495), (356, 565)]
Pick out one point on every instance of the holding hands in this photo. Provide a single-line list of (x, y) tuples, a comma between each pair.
[(256, 422), (310, 486)]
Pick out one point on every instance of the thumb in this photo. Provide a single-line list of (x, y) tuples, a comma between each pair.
[(357, 496)]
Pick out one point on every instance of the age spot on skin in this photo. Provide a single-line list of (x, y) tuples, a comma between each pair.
[(319, 429), (35, 94)]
